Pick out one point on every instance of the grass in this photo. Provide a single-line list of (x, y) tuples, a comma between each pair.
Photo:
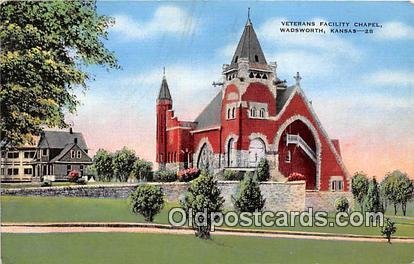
[(156, 248), (63, 209)]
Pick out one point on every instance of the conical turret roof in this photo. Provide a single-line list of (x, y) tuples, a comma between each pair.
[(164, 93)]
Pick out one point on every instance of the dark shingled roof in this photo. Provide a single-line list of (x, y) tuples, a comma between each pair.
[(248, 47), (164, 91), (60, 139), (282, 97), (211, 115)]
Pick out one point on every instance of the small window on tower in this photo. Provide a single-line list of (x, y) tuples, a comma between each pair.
[(264, 76), (262, 113), (236, 59), (229, 113), (233, 112), (251, 75), (256, 58), (258, 75)]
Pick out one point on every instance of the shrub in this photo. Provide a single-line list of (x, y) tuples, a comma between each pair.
[(81, 181), (249, 197), (232, 175), (388, 229), (263, 170), (165, 176), (203, 196), (46, 183), (341, 204), (147, 200), (73, 176), (187, 175), (296, 176)]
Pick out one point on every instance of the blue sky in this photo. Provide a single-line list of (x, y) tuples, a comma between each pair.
[(361, 85)]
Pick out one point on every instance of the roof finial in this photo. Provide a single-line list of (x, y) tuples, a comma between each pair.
[(163, 71), (297, 78), (248, 15)]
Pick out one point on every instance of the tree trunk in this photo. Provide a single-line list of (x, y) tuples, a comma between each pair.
[(404, 208), (395, 208)]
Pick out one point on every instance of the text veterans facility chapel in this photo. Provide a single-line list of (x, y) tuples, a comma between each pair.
[(255, 115)]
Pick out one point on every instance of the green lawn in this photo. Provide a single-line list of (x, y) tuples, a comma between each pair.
[(156, 248), (60, 209)]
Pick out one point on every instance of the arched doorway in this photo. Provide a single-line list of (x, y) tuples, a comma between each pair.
[(205, 158), (231, 153), (298, 151), (257, 151)]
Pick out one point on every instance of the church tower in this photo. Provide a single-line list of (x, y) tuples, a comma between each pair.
[(164, 104)]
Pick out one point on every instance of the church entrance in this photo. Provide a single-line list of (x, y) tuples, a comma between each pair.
[(257, 151)]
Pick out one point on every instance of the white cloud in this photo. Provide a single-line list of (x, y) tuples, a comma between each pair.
[(395, 30), (166, 20), (391, 78)]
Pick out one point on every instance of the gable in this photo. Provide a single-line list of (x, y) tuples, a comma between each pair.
[(66, 155), (211, 115)]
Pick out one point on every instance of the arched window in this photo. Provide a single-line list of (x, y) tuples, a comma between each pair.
[(253, 112), (251, 75), (230, 153), (262, 112), (233, 112), (256, 58), (257, 151), (258, 75), (228, 113), (264, 76)]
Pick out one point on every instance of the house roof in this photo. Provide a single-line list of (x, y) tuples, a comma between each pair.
[(164, 90), (60, 139), (249, 47), (211, 115), (66, 150)]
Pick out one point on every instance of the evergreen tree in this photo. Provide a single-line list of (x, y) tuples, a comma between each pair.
[(249, 197), (263, 170), (203, 196), (372, 200)]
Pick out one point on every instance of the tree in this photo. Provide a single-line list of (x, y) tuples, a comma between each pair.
[(45, 48), (203, 196), (398, 189), (263, 170), (103, 165), (147, 200), (341, 204), (123, 163), (360, 187), (372, 200), (249, 197), (142, 170), (388, 229)]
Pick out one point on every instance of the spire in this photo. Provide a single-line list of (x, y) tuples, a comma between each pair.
[(249, 46), (164, 93)]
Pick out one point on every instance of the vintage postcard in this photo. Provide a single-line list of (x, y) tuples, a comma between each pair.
[(207, 131)]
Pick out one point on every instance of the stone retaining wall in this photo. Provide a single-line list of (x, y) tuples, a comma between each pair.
[(289, 196), (322, 201)]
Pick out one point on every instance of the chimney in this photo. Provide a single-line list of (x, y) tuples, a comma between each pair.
[(70, 130), (75, 140)]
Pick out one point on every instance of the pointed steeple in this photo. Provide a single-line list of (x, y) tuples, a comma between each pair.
[(164, 93), (249, 46)]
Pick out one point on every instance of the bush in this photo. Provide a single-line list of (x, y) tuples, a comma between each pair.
[(81, 181), (249, 197), (263, 170), (187, 175), (165, 176), (232, 175), (203, 196), (73, 176), (341, 204), (46, 183), (147, 200), (296, 176), (359, 187)]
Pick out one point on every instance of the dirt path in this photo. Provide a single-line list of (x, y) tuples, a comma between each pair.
[(40, 228)]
